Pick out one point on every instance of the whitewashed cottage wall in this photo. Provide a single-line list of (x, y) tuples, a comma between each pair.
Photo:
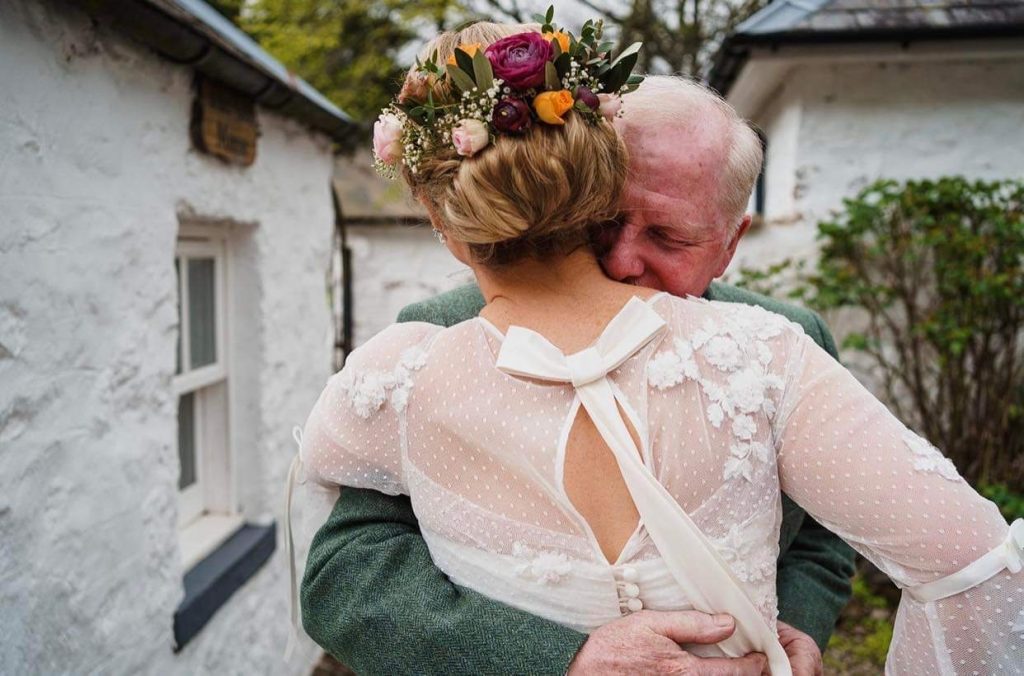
[(393, 266), (96, 173), (833, 128)]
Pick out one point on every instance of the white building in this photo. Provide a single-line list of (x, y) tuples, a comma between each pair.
[(394, 258), (850, 91), (143, 452)]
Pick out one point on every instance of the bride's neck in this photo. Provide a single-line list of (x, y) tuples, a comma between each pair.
[(534, 282), (559, 286)]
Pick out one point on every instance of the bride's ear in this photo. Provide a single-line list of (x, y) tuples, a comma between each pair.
[(435, 218)]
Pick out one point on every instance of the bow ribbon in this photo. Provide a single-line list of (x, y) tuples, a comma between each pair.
[(528, 354)]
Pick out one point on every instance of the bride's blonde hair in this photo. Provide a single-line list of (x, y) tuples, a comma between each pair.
[(540, 194)]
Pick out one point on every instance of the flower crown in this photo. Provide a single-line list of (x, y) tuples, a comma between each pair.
[(506, 88)]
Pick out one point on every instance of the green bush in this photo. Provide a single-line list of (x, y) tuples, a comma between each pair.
[(1011, 504), (938, 267)]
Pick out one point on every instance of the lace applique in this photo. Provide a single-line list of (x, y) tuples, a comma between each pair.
[(669, 368), (723, 353), (543, 567), (744, 394), (929, 459), (368, 391), (741, 459), (746, 554)]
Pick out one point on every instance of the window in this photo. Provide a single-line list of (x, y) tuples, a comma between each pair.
[(218, 550), (201, 386), (757, 198)]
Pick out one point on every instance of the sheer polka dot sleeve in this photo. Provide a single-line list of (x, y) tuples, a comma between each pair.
[(355, 434), (896, 499)]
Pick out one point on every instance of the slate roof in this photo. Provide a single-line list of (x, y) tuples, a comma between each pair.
[(851, 21)]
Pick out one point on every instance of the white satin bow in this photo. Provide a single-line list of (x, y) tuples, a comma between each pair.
[(701, 572)]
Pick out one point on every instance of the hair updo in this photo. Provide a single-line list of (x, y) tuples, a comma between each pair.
[(539, 194)]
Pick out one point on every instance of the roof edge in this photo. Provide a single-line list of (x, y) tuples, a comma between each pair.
[(735, 50), (186, 33)]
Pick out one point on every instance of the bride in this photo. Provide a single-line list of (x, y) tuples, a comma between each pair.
[(585, 448)]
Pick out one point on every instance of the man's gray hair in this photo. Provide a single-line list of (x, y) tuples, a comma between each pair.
[(662, 101)]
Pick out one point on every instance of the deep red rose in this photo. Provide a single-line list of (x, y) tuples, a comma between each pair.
[(519, 59), (588, 98), (511, 116)]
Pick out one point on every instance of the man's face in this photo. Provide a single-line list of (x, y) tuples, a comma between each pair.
[(672, 234)]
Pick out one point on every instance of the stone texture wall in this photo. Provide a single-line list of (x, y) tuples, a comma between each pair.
[(835, 127), (393, 266), (96, 174)]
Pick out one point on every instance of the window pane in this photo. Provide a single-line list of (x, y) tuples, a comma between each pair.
[(187, 439), (202, 311), (177, 287)]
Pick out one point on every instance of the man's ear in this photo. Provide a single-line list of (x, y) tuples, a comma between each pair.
[(730, 250)]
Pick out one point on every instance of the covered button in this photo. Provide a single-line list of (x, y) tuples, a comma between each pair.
[(634, 605)]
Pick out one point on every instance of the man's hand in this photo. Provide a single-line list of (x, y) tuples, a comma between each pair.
[(804, 656), (647, 642)]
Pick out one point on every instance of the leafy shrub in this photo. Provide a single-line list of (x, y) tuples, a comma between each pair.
[(938, 267), (1011, 504)]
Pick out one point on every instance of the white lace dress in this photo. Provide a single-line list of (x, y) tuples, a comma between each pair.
[(733, 405)]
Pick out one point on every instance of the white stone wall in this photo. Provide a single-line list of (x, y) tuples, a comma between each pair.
[(393, 266), (96, 172), (835, 127)]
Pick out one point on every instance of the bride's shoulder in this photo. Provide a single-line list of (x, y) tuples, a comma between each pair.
[(695, 314), (401, 341)]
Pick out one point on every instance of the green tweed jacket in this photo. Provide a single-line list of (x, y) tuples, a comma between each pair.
[(372, 597)]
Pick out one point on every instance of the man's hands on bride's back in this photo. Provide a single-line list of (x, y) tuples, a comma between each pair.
[(648, 642)]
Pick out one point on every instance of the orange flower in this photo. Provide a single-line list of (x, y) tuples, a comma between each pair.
[(470, 48), (551, 106), (562, 38)]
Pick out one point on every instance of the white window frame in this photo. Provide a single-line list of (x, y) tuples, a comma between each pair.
[(207, 515)]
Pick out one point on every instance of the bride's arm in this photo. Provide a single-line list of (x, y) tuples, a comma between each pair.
[(853, 466)]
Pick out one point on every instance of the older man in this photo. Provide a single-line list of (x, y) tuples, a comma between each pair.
[(371, 594)]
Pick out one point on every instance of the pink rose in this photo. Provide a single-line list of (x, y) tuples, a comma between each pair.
[(610, 106), (387, 138), (469, 137), (414, 88), (519, 59)]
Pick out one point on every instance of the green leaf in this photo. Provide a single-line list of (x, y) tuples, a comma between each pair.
[(464, 61), (632, 50), (615, 78), (551, 79), (550, 15), (562, 65), (482, 70), (460, 79)]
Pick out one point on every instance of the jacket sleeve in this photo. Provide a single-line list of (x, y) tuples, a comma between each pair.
[(372, 597), (816, 566)]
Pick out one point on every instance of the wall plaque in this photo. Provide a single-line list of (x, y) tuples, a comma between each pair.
[(224, 123)]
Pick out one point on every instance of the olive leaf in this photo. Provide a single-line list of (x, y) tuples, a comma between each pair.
[(632, 50), (551, 79), (459, 78), (482, 70), (464, 61)]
